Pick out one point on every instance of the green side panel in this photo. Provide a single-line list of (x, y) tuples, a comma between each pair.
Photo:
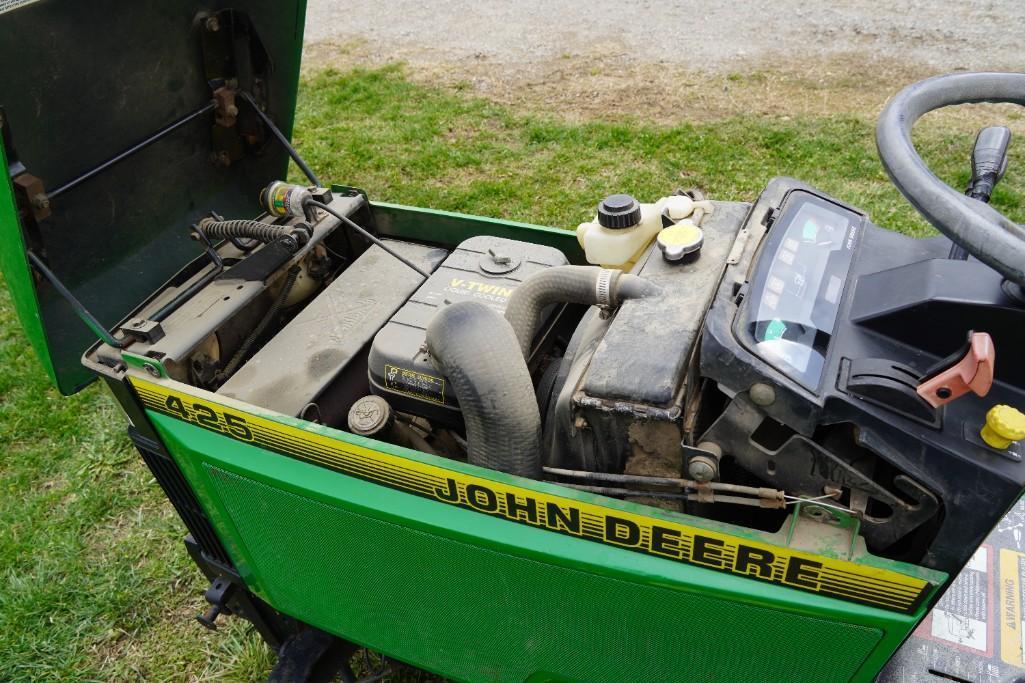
[(479, 598), (16, 273), (476, 614), (447, 228)]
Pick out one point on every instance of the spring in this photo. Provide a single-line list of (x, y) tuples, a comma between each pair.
[(264, 232)]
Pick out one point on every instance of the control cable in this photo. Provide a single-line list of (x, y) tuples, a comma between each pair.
[(362, 231)]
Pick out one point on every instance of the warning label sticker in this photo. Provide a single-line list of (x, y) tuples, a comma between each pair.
[(413, 383), (8, 5), (976, 632), (961, 615), (1012, 583)]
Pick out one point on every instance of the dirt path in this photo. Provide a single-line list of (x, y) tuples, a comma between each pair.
[(944, 34), (668, 60)]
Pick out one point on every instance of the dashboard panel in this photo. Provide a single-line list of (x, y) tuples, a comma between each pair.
[(798, 283)]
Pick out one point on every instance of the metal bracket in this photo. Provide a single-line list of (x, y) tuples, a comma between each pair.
[(225, 109), (30, 189), (152, 366), (218, 595), (814, 526), (149, 331), (802, 467)]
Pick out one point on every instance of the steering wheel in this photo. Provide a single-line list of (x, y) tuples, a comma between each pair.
[(983, 231)]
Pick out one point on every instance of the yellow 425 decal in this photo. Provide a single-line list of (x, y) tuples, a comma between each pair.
[(871, 586)]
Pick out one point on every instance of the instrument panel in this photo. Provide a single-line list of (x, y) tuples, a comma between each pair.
[(798, 283)]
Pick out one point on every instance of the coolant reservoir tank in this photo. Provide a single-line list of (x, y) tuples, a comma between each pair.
[(623, 228)]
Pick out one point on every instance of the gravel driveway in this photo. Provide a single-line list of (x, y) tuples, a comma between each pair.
[(708, 36)]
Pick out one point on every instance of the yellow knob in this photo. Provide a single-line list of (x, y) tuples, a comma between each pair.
[(1004, 425)]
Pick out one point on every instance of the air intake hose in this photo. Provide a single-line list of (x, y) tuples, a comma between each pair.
[(589, 285), (471, 343)]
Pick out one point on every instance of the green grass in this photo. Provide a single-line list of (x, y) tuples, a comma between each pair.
[(405, 143), (94, 582)]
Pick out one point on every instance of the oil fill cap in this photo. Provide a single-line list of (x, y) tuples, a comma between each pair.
[(499, 261), (619, 211), (678, 240), (1004, 425)]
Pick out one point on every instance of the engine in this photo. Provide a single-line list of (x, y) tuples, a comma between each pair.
[(481, 269), (725, 367)]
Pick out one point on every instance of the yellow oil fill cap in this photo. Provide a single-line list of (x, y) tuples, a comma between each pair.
[(1004, 425), (678, 240)]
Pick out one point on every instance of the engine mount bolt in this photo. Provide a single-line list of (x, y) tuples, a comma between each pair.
[(152, 369), (762, 394)]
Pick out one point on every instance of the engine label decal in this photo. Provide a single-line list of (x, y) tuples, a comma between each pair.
[(413, 383), (850, 581), (461, 287)]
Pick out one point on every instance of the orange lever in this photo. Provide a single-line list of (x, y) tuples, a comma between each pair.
[(973, 372)]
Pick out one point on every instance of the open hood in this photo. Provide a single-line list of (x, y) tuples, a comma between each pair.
[(84, 82)]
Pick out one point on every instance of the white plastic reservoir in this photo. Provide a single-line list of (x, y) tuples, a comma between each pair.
[(623, 228)]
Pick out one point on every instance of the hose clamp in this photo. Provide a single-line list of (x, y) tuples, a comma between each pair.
[(603, 287)]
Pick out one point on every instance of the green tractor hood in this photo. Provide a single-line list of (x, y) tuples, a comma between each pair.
[(122, 124)]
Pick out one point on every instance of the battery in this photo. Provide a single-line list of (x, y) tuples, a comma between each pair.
[(483, 268)]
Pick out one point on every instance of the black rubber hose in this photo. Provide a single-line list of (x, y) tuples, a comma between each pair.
[(980, 229), (472, 345), (588, 285), (265, 232)]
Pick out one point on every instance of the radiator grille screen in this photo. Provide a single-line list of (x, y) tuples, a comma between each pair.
[(476, 614)]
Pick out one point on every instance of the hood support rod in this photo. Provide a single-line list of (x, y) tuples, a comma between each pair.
[(124, 154), (175, 125), (81, 311), (292, 152)]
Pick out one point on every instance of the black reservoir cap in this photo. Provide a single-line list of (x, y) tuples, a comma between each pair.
[(618, 211)]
